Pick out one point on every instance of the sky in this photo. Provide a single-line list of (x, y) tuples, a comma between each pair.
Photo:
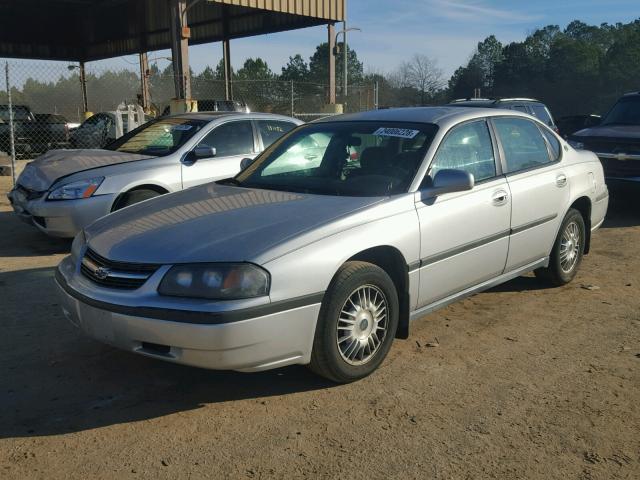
[(445, 30), (393, 30)]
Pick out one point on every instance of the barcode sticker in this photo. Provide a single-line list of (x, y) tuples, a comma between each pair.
[(396, 132)]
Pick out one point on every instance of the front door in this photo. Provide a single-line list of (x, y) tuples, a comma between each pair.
[(538, 184), (464, 235), (233, 141)]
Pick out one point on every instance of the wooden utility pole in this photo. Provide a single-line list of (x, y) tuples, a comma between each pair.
[(332, 63), (144, 82), (180, 34), (83, 86), (226, 60)]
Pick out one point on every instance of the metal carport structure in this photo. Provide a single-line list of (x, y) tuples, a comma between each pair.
[(87, 30)]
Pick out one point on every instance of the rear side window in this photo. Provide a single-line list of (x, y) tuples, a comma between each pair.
[(554, 144), (231, 139), (467, 147), (543, 115), (271, 130), (523, 143)]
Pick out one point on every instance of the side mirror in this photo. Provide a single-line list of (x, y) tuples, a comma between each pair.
[(245, 162), (204, 151), (448, 181)]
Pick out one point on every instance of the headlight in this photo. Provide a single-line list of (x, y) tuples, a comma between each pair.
[(75, 190), (217, 281), (77, 246), (575, 144)]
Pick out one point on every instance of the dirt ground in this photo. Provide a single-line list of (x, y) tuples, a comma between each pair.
[(526, 382)]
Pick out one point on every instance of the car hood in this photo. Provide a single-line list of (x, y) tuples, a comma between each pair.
[(614, 131), (213, 223), (40, 174)]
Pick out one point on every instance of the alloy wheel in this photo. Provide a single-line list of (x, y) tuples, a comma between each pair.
[(362, 325)]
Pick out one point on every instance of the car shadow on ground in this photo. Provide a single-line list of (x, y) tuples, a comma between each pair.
[(56, 381), (623, 212), (19, 239), (522, 284)]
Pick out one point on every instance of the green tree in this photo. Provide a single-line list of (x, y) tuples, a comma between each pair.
[(255, 69), (296, 69), (219, 71), (319, 66)]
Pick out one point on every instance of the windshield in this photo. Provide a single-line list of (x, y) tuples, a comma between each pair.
[(625, 112), (20, 114), (159, 138), (342, 158)]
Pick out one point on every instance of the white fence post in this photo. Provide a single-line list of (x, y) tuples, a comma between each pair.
[(292, 99), (11, 126)]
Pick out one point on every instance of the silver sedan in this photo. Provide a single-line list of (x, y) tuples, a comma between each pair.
[(65, 190), (324, 260)]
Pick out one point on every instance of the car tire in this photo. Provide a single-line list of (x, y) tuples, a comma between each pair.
[(567, 252), (360, 306), (135, 196)]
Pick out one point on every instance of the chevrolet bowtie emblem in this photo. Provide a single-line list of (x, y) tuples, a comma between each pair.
[(101, 273)]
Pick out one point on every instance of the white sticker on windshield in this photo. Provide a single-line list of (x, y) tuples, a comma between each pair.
[(181, 128), (396, 132)]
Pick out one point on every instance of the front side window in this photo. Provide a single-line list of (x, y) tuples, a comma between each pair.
[(363, 158), (271, 130), (231, 139), (467, 147), (522, 142), (158, 138)]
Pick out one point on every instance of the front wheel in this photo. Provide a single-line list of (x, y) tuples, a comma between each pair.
[(357, 323), (567, 252), (135, 196)]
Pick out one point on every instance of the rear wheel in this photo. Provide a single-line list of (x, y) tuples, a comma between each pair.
[(135, 196), (357, 323), (567, 252)]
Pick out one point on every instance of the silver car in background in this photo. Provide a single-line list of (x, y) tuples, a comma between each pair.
[(324, 260), (65, 190)]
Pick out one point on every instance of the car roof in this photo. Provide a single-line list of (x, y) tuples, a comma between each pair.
[(209, 116), (631, 94), (491, 102), (438, 115)]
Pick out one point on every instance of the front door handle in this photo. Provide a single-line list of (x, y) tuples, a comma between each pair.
[(561, 180), (500, 197)]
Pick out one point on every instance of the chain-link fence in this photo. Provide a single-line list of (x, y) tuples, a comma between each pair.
[(48, 102)]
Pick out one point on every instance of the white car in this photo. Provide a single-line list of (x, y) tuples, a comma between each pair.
[(326, 265), (65, 190)]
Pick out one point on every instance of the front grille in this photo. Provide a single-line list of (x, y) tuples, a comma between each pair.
[(114, 274), (28, 193)]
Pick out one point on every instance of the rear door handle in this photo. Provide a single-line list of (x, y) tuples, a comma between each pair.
[(561, 180), (500, 197)]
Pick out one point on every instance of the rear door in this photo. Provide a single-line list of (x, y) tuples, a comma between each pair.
[(233, 141), (464, 235), (539, 187)]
